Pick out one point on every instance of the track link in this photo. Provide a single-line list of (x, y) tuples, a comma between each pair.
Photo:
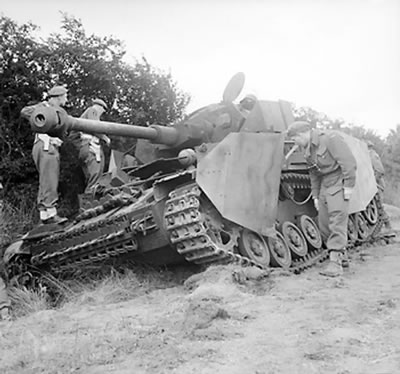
[(187, 227)]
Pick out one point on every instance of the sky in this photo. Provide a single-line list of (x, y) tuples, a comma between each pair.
[(340, 57)]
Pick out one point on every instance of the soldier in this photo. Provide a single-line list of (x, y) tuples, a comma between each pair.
[(5, 304), (379, 172), (91, 156), (47, 159), (4, 300), (333, 176)]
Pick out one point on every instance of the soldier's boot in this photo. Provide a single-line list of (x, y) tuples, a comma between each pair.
[(334, 267), (5, 314), (345, 259), (55, 220)]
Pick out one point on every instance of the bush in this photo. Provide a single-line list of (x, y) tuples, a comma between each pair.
[(392, 192)]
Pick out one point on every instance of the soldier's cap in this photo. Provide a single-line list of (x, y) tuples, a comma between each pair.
[(57, 91), (249, 97), (101, 103), (298, 127)]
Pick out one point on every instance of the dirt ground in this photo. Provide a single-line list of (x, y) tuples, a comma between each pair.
[(214, 324)]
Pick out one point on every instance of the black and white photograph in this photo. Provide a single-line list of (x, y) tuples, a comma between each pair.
[(197, 186)]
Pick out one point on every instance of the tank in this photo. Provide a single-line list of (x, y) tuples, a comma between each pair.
[(219, 186)]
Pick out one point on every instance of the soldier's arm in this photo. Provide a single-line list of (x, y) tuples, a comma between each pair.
[(90, 113), (341, 152)]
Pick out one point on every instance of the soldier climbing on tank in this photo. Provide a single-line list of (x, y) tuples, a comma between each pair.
[(379, 172), (45, 153), (332, 169), (91, 155)]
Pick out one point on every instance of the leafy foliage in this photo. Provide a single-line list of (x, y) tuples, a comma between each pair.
[(391, 154), (90, 66), (22, 79)]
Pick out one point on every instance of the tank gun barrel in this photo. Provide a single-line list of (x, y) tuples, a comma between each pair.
[(50, 121)]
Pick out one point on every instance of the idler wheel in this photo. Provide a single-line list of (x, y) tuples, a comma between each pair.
[(352, 229), (253, 246), (295, 239), (310, 231), (362, 225), (371, 213), (279, 250)]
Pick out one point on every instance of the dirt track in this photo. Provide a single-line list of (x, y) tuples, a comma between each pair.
[(212, 324)]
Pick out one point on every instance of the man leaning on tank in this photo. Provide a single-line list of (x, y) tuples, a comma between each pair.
[(332, 169)]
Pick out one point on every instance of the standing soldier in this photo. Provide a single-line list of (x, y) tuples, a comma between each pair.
[(47, 159), (91, 156), (333, 175), (379, 172)]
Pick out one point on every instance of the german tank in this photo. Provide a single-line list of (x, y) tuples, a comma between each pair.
[(216, 187)]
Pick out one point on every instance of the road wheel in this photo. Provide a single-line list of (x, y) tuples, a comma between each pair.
[(295, 239), (253, 246), (279, 250)]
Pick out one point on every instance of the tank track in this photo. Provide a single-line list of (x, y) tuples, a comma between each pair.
[(184, 221), (187, 227), (296, 181), (84, 246)]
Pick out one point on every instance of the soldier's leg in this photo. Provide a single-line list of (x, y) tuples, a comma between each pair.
[(323, 218), (385, 217), (4, 302), (338, 210), (92, 168), (48, 165), (337, 239), (94, 171)]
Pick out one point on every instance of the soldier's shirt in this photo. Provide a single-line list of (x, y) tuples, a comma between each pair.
[(328, 155), (91, 113)]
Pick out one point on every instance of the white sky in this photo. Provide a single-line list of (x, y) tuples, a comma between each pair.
[(341, 57)]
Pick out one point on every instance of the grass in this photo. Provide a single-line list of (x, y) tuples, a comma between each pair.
[(27, 301), (106, 285), (15, 221), (80, 331)]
